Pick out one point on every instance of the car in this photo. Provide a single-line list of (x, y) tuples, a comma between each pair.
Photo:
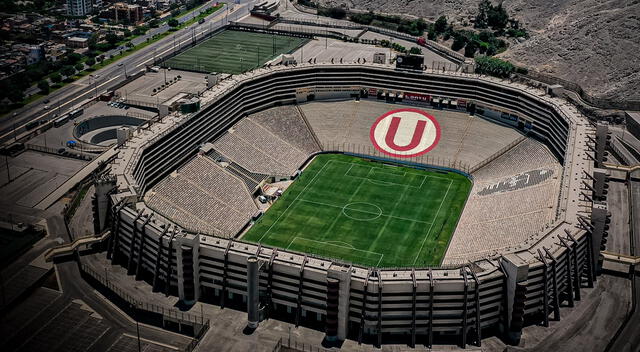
[(46, 107), (61, 150), (46, 101)]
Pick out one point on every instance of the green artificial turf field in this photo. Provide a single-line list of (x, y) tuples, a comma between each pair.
[(234, 52), (366, 212)]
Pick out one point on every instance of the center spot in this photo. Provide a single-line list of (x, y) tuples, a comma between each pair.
[(362, 211)]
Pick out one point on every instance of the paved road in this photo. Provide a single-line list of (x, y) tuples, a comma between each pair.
[(629, 338), (64, 99)]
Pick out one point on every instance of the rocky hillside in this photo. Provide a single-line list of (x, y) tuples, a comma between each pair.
[(595, 43)]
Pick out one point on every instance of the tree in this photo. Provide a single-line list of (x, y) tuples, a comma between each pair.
[(470, 49), (482, 16), (415, 50), (127, 33), (43, 85), (111, 38), (173, 23), (459, 41), (72, 58), (153, 23), (79, 66), (90, 62), (140, 30), (497, 17), (93, 41), (441, 25), (56, 77), (68, 70), (15, 95)]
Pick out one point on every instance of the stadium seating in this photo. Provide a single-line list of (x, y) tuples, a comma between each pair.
[(498, 220), (465, 139), (259, 150), (203, 197), (287, 123)]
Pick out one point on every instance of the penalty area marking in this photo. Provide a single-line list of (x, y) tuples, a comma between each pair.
[(351, 248), (435, 218), (386, 183)]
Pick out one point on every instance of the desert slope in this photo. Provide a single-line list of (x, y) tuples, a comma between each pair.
[(591, 42)]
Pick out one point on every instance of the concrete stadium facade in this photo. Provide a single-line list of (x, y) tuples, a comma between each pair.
[(501, 292)]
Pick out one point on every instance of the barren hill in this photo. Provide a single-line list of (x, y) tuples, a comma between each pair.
[(595, 43)]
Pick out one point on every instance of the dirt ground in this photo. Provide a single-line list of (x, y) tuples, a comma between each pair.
[(591, 42)]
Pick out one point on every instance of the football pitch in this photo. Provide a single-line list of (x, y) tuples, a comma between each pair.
[(365, 212), (234, 52)]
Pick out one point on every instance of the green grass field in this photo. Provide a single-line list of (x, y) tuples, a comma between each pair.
[(366, 212), (234, 52)]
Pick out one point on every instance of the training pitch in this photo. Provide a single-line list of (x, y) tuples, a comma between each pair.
[(366, 213), (234, 52)]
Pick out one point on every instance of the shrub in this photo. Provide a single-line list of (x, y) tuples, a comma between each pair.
[(494, 66), (43, 85)]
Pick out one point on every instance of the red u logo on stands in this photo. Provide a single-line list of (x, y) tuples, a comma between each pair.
[(405, 133)]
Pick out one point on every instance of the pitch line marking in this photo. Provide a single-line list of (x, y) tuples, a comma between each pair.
[(364, 211), (336, 245), (386, 182), (346, 206), (290, 204), (345, 243), (434, 221), (384, 165)]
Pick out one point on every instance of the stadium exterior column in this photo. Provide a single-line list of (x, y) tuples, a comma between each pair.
[(115, 231), (132, 243), (223, 292), (169, 268), (556, 297), (591, 266), (576, 269), (569, 289), (181, 293), (195, 253), (432, 287), (141, 245), (379, 325), (413, 308), (343, 274), (464, 307), (365, 291), (477, 307), (301, 283), (516, 272), (252, 292), (545, 296), (156, 269), (274, 253)]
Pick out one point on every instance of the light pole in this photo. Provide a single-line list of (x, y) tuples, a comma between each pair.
[(6, 161), (135, 317), (95, 87)]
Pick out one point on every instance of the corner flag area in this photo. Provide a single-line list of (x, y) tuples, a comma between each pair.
[(366, 212)]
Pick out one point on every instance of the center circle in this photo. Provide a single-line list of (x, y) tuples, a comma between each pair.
[(362, 211)]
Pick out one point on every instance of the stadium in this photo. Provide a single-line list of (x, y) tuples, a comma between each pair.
[(288, 196)]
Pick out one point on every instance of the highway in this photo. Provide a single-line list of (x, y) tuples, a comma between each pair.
[(100, 81)]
